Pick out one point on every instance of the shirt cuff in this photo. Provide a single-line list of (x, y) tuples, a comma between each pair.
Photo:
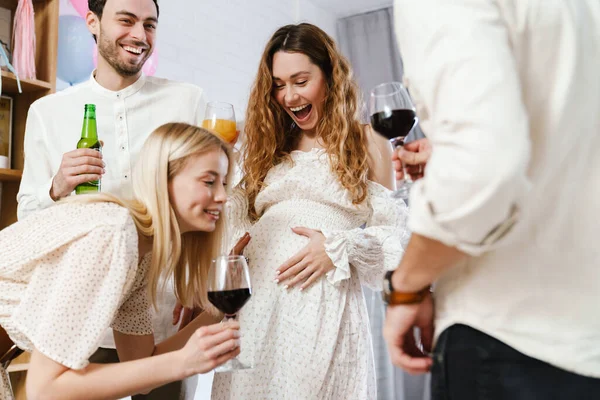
[(43, 195), (424, 221)]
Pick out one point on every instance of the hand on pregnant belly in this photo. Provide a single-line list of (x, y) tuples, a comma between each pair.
[(308, 265)]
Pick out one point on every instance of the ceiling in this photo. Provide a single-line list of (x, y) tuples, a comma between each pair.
[(344, 8)]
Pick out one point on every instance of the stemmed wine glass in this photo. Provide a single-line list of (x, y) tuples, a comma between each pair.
[(220, 118), (229, 289), (393, 116)]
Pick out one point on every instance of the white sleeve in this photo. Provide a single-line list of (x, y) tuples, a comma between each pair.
[(34, 191), (461, 72), (77, 290), (371, 251)]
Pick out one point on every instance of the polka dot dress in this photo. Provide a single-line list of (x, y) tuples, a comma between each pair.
[(313, 344), (5, 390), (66, 274)]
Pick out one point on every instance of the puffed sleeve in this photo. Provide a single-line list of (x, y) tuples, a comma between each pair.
[(77, 290), (372, 250)]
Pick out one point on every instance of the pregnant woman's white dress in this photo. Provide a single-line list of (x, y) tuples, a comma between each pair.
[(313, 344)]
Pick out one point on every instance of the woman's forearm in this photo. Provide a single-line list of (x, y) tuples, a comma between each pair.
[(178, 340), (101, 381), (131, 347)]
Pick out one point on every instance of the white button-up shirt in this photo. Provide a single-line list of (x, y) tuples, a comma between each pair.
[(124, 119), (508, 92)]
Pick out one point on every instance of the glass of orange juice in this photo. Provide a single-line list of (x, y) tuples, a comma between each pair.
[(220, 118)]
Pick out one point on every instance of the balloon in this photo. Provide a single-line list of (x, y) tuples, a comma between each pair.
[(81, 6), (75, 49), (149, 67)]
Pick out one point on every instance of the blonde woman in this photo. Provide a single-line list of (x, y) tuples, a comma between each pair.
[(312, 177), (70, 271)]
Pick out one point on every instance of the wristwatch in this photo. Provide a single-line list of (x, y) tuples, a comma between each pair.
[(392, 297)]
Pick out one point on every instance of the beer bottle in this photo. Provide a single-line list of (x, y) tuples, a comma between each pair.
[(89, 140)]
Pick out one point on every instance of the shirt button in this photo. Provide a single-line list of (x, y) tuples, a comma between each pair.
[(118, 96), (121, 117), (126, 176)]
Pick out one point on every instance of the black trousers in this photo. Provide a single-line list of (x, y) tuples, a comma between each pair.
[(171, 391), (470, 365)]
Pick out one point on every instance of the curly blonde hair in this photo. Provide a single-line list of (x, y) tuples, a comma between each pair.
[(271, 133)]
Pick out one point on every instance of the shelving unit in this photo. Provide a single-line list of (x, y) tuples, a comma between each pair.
[(46, 26), (46, 32), (9, 84), (10, 175)]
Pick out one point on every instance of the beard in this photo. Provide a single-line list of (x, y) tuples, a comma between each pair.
[(110, 52)]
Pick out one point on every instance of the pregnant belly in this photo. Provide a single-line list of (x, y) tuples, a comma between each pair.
[(273, 241), (274, 312)]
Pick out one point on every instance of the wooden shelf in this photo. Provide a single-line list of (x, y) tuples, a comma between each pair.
[(10, 175), (20, 363), (9, 84), (17, 368)]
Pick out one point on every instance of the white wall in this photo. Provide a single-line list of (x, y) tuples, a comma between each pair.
[(217, 44)]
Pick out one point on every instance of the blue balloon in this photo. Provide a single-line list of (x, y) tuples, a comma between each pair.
[(75, 49)]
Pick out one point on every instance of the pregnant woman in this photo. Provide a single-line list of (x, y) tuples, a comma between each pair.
[(315, 199)]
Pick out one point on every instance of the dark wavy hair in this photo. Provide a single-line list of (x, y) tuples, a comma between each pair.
[(271, 133), (97, 7)]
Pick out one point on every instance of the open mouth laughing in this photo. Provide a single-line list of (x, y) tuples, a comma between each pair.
[(302, 112), (135, 50)]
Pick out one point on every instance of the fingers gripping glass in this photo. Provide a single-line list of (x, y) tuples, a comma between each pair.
[(393, 116), (229, 289)]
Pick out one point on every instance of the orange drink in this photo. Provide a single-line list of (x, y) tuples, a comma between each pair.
[(226, 129)]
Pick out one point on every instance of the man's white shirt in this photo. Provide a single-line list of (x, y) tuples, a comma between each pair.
[(124, 119)]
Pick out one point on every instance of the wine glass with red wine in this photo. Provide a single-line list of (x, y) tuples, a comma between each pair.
[(393, 116), (229, 289)]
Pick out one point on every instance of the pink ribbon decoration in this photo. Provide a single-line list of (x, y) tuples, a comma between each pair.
[(151, 63), (24, 40)]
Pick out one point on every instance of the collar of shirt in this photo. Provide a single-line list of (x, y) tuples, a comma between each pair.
[(120, 94)]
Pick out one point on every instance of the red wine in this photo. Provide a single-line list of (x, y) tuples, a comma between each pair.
[(396, 124), (229, 302)]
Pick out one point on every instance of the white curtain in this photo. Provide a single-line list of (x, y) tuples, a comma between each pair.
[(368, 41), (392, 382)]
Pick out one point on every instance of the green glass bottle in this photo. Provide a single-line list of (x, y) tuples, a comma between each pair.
[(89, 140)]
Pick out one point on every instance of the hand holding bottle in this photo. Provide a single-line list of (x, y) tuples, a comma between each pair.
[(77, 167)]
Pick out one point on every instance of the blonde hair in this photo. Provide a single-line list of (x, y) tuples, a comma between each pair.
[(271, 134), (187, 257)]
